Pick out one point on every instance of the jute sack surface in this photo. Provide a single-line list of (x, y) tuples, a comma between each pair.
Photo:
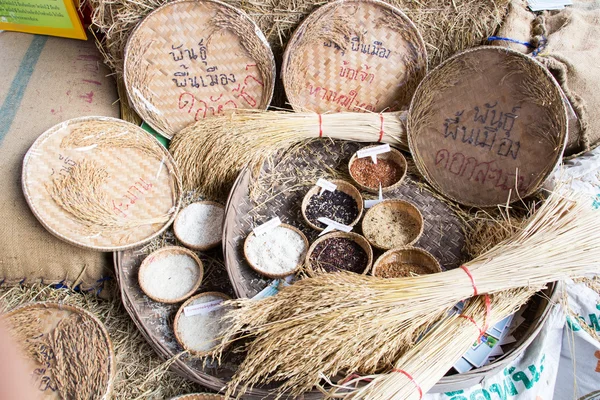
[(571, 54), (43, 82), (517, 27)]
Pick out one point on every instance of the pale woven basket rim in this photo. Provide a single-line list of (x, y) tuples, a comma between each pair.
[(167, 160), (180, 313), (542, 69), (359, 239), (282, 275), (191, 246), (172, 250)]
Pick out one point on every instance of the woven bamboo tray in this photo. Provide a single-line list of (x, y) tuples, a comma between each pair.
[(49, 315), (354, 56), (443, 237), (193, 59), (487, 126), (155, 322), (139, 187)]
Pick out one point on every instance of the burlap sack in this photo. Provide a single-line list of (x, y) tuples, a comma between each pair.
[(572, 54), (44, 81), (515, 28)]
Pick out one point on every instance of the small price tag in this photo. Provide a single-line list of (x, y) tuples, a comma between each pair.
[(332, 225), (326, 185), (371, 203), (202, 309), (267, 226), (373, 151)]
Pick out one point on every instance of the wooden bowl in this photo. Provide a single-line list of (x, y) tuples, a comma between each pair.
[(180, 314), (381, 220), (394, 156), (342, 186), (162, 253), (178, 233), (310, 271), (261, 271), (410, 256)]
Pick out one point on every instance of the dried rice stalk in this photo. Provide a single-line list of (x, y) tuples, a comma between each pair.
[(108, 135), (211, 152), (447, 26), (350, 322), (437, 351), (74, 352), (80, 194)]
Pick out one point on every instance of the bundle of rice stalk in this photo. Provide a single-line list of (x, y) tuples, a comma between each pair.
[(349, 322), (424, 364), (211, 152)]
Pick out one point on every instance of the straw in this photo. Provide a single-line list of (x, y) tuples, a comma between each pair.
[(80, 194), (350, 322), (429, 360), (446, 26), (211, 152)]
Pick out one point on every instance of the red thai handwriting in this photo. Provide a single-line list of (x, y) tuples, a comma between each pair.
[(347, 101), (352, 74), (490, 128), (133, 194), (484, 173)]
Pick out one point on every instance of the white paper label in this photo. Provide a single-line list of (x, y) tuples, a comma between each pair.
[(203, 308), (326, 185), (267, 226), (332, 225), (371, 203), (373, 151)]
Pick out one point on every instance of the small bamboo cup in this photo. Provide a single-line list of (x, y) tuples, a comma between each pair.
[(362, 242), (178, 231), (375, 222), (392, 155), (165, 252), (180, 314), (407, 255), (342, 186), (262, 272)]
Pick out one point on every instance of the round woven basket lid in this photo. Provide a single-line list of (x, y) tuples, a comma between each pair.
[(66, 348), (487, 126), (357, 55), (194, 59), (101, 183)]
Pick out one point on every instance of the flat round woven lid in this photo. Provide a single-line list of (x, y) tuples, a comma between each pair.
[(354, 56), (190, 60), (487, 126), (101, 183), (67, 350)]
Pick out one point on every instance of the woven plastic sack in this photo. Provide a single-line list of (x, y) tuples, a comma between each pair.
[(530, 376)]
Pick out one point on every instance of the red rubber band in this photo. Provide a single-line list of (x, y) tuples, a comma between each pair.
[(475, 292), (488, 310), (320, 126), (354, 376), (409, 376), (381, 129)]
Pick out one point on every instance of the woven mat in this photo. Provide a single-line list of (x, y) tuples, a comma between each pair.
[(190, 60), (281, 194), (354, 56)]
